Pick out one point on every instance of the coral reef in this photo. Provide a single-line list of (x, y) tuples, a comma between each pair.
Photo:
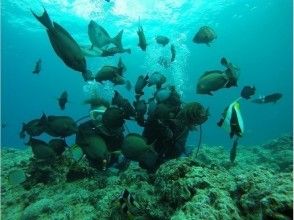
[(258, 185)]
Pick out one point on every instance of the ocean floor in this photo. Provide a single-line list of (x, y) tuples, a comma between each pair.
[(258, 185)]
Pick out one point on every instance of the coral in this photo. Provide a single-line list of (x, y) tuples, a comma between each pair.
[(258, 185)]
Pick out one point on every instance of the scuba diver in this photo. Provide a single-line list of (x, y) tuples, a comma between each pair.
[(168, 126), (101, 136)]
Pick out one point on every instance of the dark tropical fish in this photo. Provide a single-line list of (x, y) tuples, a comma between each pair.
[(112, 73), (16, 177), (173, 53), (113, 118), (157, 79), (65, 46), (193, 114), (60, 126), (140, 84), (135, 146), (114, 50), (162, 94), (96, 150), (232, 120), (211, 81), (41, 149), (62, 100), (100, 38), (38, 67), (33, 128), (140, 106), (268, 98), (247, 92), (233, 152), (58, 145), (162, 40), (231, 72), (124, 104), (107, 0), (205, 35), (142, 40)]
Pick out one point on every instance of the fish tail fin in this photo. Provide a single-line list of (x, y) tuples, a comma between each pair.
[(117, 39), (44, 19)]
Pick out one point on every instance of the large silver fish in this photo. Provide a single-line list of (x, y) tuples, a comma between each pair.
[(100, 38), (64, 45)]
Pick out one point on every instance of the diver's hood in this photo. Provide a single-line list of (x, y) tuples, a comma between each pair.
[(96, 114)]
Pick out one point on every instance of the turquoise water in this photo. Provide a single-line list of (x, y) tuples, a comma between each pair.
[(254, 35)]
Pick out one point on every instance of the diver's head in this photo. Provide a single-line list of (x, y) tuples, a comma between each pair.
[(97, 113)]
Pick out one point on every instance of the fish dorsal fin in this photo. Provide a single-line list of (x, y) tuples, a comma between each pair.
[(103, 30), (61, 29)]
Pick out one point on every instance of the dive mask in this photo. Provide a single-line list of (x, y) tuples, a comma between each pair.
[(96, 114)]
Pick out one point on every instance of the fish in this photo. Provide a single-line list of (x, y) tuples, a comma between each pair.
[(124, 104), (247, 92), (112, 73), (95, 150), (62, 100), (211, 81), (232, 120), (58, 145), (231, 72), (16, 177), (114, 50), (60, 126), (272, 98), (126, 202), (193, 114), (140, 106), (65, 46), (134, 147), (163, 40), (205, 35), (162, 94), (113, 118), (157, 79), (38, 67), (41, 149), (100, 38), (142, 40), (33, 128), (173, 53), (233, 152), (141, 82)]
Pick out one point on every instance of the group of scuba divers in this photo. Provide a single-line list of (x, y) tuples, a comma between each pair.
[(165, 131)]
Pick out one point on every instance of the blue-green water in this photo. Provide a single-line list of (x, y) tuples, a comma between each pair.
[(254, 35)]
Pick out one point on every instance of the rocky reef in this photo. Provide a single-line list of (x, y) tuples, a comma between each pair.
[(258, 185)]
